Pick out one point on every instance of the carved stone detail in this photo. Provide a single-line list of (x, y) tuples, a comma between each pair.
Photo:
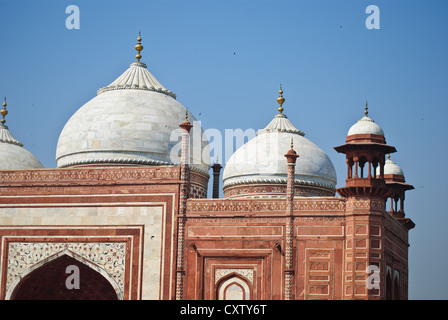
[(257, 205), (110, 257), (274, 190), (87, 175), (247, 273)]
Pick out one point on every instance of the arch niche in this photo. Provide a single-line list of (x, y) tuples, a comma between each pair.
[(48, 282), (234, 287)]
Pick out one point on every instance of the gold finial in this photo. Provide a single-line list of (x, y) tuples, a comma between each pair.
[(139, 47), (366, 112), (388, 157), (4, 112), (292, 143), (186, 115), (280, 100)]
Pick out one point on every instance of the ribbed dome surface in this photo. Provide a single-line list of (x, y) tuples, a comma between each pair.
[(13, 155), (262, 161), (134, 120)]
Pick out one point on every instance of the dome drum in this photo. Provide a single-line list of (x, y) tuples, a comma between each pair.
[(366, 138), (276, 190)]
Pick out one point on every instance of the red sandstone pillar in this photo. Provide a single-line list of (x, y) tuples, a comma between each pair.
[(291, 157), (184, 190)]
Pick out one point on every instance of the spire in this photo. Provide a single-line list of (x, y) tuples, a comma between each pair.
[(280, 99), (291, 155), (4, 112), (280, 123), (139, 47), (186, 125), (5, 135), (137, 77), (366, 112)]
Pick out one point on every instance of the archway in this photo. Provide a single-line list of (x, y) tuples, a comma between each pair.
[(388, 286), (48, 282), (233, 287), (396, 288)]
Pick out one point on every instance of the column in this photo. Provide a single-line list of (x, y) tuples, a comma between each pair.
[(291, 157), (184, 191)]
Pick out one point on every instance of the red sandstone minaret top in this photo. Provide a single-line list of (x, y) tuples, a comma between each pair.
[(291, 155)]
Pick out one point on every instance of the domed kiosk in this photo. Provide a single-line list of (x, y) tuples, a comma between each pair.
[(13, 156), (259, 168), (395, 180), (133, 121), (365, 150)]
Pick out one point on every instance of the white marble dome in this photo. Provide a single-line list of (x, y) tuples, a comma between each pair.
[(391, 167), (365, 126), (262, 159), (13, 156), (134, 121)]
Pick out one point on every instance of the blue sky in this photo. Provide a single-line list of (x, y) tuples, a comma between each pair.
[(225, 61)]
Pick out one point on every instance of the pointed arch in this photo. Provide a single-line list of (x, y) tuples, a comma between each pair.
[(389, 288), (233, 287), (396, 285), (98, 281)]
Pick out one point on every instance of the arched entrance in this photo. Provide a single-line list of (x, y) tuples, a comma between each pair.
[(233, 287), (388, 286), (48, 282), (396, 288)]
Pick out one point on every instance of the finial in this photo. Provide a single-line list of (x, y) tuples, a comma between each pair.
[(186, 124), (4, 112), (291, 155), (280, 99), (366, 112), (139, 47), (388, 157)]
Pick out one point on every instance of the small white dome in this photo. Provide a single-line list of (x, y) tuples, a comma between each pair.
[(13, 156), (134, 120), (365, 126), (391, 167)]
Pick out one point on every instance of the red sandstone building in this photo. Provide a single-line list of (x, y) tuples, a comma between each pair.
[(136, 222)]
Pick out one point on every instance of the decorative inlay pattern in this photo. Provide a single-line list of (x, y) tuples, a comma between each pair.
[(278, 181), (248, 190), (108, 256), (372, 204), (247, 273), (68, 176), (234, 205)]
